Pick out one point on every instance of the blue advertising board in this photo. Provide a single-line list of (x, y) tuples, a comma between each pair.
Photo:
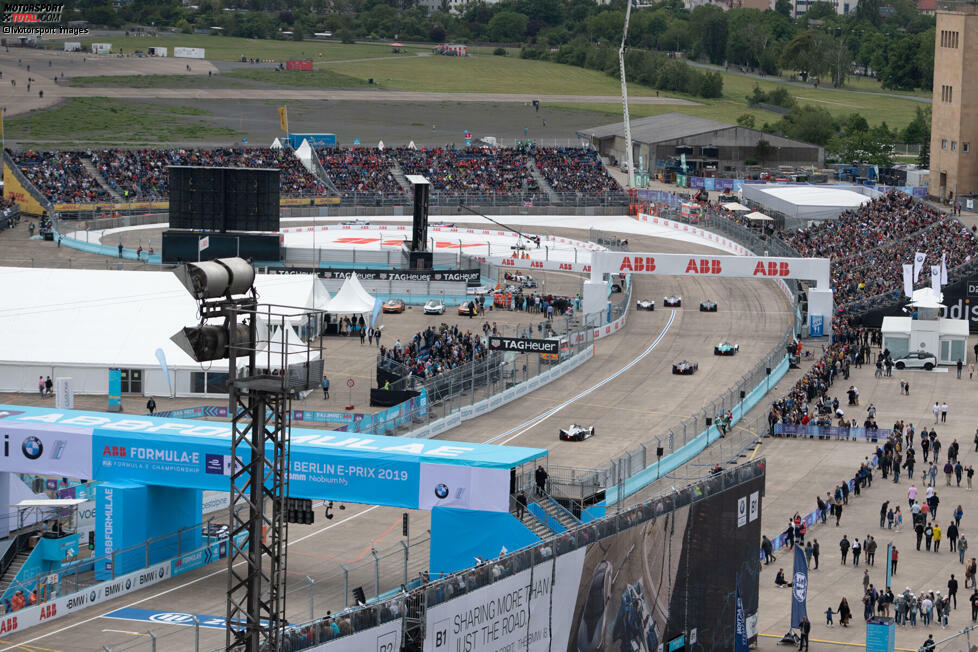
[(115, 390), (816, 325), (327, 464)]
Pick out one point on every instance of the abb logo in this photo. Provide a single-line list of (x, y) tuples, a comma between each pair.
[(703, 266), (537, 264), (49, 610), (8, 625), (508, 261), (637, 264), (587, 268), (114, 451), (566, 267), (771, 268)]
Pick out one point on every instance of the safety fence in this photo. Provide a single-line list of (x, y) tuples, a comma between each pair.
[(830, 432)]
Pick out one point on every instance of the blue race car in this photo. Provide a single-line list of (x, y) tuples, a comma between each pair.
[(726, 348)]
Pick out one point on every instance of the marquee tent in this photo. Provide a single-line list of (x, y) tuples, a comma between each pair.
[(351, 299), (804, 203)]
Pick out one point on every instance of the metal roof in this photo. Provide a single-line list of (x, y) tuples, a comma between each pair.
[(666, 126)]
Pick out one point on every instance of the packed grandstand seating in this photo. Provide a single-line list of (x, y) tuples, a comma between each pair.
[(507, 174), (472, 170), (365, 170), (143, 172), (61, 177), (569, 169)]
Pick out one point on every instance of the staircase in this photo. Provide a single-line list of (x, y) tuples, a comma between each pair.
[(95, 174), (537, 526), (12, 570), (319, 171), (542, 181), (398, 174), (558, 512)]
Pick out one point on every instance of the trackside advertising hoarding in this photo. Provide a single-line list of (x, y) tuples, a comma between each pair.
[(396, 471), (382, 638)]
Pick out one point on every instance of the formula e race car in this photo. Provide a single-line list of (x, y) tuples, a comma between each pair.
[(685, 368), (644, 304), (726, 348), (673, 302), (708, 306), (576, 433)]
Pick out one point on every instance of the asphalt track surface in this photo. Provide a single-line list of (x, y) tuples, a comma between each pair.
[(625, 411)]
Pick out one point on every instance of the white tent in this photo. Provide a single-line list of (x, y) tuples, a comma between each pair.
[(735, 206), (411, 145), (759, 217), (351, 299), (276, 144), (380, 145), (318, 300), (305, 154)]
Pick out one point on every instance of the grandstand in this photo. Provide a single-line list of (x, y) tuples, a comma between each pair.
[(502, 176)]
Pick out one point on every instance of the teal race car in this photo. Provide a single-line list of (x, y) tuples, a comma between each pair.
[(726, 348)]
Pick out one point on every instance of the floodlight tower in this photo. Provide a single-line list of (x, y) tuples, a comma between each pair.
[(629, 156), (259, 401)]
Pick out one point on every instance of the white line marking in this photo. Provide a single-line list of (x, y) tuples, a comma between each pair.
[(176, 588), (540, 418)]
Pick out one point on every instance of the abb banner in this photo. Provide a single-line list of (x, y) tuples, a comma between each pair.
[(298, 65), (763, 267)]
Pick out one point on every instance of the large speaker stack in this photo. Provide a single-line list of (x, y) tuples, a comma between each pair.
[(228, 203), (224, 199)]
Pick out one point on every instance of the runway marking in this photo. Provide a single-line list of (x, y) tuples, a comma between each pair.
[(540, 418), (821, 640), (175, 588)]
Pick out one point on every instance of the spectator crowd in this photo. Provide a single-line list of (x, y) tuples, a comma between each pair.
[(434, 351)]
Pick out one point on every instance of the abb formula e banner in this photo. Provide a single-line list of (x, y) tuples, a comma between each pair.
[(763, 267), (330, 465), (644, 588)]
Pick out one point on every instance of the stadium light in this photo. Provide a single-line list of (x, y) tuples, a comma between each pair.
[(222, 277), (205, 343)]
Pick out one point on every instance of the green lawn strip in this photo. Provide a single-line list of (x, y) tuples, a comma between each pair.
[(111, 120), (158, 81), (319, 78)]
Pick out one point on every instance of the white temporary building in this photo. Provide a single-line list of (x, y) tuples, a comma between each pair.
[(351, 299), (80, 323), (927, 330), (808, 203)]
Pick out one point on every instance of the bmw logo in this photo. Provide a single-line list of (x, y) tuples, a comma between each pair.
[(128, 584), (32, 448), (441, 490), (162, 573), (92, 596)]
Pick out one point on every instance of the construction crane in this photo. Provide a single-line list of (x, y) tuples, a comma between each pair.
[(629, 157)]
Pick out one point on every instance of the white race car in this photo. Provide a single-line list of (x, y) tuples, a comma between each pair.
[(576, 433), (673, 302), (644, 304)]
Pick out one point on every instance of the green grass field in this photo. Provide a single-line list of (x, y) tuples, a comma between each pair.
[(158, 81), (228, 48), (111, 121), (319, 78)]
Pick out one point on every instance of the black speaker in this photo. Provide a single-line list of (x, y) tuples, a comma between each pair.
[(223, 199), (419, 232), (359, 596), (659, 451), (709, 421)]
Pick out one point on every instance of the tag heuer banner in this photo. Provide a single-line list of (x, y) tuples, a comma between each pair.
[(470, 276), (522, 345)]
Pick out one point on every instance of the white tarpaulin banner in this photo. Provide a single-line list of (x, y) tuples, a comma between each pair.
[(46, 449), (908, 281), (763, 267), (521, 612), (64, 394), (382, 638), (464, 487)]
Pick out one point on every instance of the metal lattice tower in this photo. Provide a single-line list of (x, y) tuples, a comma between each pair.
[(258, 531)]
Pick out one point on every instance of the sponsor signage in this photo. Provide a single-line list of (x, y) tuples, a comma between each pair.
[(497, 343), (334, 465), (383, 638), (470, 276), (816, 269), (463, 487), (973, 289), (93, 595)]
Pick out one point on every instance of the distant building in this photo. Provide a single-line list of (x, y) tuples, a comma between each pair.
[(954, 109), (761, 5), (927, 7), (842, 7), (661, 141), (454, 6)]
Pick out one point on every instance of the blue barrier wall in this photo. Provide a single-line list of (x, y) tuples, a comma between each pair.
[(694, 447), (458, 536)]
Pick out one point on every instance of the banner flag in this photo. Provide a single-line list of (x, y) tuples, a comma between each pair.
[(918, 264), (908, 281), (935, 280), (161, 356), (944, 269), (283, 118), (799, 588), (741, 644), (203, 243)]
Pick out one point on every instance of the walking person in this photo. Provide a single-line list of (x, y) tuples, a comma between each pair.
[(844, 546), (937, 415), (521, 504), (806, 628), (894, 558), (815, 551), (541, 476), (845, 613), (151, 406), (325, 388), (40, 385), (952, 590), (944, 412)]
